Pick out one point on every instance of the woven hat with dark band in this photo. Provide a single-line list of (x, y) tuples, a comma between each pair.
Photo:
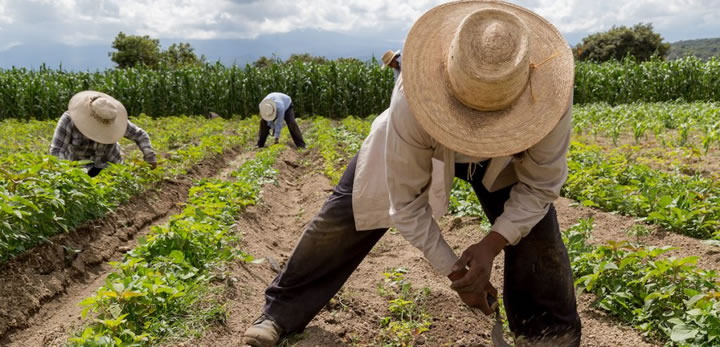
[(388, 57), (487, 78), (98, 116)]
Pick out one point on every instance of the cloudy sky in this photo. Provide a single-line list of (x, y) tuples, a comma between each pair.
[(54, 31)]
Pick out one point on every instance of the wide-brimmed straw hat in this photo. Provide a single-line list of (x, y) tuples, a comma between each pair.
[(487, 78), (268, 110), (388, 57), (98, 116)]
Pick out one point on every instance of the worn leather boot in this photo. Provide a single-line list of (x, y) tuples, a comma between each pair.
[(263, 333)]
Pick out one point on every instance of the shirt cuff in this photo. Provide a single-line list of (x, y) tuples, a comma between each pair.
[(443, 260), (150, 156), (441, 256), (507, 229)]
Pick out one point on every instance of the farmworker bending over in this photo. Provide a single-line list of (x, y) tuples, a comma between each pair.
[(393, 60), (273, 109), (91, 128), (485, 96)]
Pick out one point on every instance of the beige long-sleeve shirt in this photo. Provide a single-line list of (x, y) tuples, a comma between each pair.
[(403, 179)]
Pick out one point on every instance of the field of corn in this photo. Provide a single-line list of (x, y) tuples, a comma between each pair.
[(333, 89), (646, 145)]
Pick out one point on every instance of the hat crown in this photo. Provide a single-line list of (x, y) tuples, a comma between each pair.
[(488, 62), (387, 57), (104, 110), (496, 44), (268, 110)]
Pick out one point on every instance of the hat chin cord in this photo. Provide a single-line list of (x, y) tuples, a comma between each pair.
[(534, 67)]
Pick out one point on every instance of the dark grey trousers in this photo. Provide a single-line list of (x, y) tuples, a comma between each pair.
[(538, 290), (291, 124)]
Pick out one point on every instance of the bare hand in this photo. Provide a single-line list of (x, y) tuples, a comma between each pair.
[(480, 299), (477, 260)]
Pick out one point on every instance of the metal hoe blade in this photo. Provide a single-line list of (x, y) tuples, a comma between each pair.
[(498, 338)]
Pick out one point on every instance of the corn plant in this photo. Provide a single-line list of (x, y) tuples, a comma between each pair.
[(628, 81), (334, 89)]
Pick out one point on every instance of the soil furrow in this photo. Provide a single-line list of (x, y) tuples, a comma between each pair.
[(40, 290)]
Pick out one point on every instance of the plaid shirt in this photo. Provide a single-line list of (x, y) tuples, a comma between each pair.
[(69, 143)]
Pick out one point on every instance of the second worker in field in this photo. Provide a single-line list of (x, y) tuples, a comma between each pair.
[(275, 108)]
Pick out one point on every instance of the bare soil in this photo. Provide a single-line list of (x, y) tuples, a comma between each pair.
[(40, 289), (352, 318)]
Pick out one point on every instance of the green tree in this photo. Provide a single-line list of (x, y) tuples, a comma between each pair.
[(133, 50), (264, 61), (639, 41), (349, 60), (181, 54), (702, 48), (306, 58)]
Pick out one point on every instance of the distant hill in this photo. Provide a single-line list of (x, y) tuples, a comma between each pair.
[(703, 49)]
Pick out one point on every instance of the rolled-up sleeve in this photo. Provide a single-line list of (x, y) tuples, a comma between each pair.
[(541, 171), (61, 137), (408, 157), (142, 139)]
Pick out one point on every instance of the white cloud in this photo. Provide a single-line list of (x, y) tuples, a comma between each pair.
[(668, 16), (10, 45), (81, 22), (4, 17)]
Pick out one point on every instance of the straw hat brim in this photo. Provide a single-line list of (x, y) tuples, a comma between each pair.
[(268, 116), (476, 133), (81, 115), (393, 56)]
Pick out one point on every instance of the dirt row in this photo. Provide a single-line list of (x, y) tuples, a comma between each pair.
[(40, 290), (271, 230)]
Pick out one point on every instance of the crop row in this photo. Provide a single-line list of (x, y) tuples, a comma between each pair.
[(41, 196), (333, 89), (156, 285), (671, 124), (617, 182), (337, 144), (666, 298), (628, 81), (685, 204)]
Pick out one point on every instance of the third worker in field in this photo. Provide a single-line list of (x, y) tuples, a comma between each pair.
[(275, 108), (393, 60)]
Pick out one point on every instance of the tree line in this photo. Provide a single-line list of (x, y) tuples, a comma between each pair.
[(640, 42)]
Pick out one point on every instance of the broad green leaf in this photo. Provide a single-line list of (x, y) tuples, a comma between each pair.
[(177, 256), (682, 332)]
